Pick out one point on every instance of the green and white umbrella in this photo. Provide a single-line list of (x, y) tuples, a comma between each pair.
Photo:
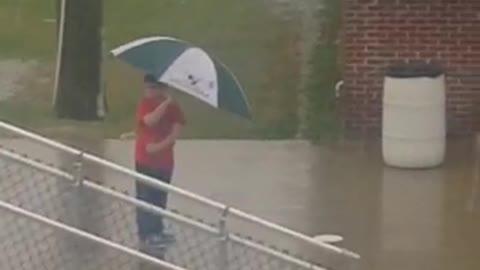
[(188, 69)]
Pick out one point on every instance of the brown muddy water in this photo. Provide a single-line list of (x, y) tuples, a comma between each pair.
[(396, 219)]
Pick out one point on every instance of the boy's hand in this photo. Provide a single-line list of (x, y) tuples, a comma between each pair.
[(168, 99), (152, 148), (127, 136), (163, 106)]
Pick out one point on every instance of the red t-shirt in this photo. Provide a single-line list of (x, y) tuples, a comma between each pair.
[(145, 134)]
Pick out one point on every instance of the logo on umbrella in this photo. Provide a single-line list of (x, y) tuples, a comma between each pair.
[(193, 81)]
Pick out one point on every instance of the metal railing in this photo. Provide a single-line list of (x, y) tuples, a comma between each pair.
[(65, 200)]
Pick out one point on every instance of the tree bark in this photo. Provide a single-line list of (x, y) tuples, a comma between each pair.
[(79, 78)]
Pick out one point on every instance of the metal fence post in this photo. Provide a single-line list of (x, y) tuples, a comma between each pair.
[(78, 170), (73, 213), (223, 240)]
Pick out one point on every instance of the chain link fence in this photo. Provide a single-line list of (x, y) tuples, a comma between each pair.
[(70, 199)]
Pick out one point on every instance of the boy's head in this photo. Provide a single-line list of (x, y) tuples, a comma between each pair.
[(153, 86)]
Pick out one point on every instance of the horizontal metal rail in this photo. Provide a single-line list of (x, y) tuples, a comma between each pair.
[(175, 190), (84, 235), (55, 172), (273, 253)]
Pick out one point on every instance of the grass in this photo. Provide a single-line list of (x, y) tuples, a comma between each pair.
[(322, 118), (255, 44)]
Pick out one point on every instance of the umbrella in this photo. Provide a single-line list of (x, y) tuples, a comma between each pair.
[(188, 69)]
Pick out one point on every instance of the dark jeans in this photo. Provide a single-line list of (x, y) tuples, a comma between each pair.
[(150, 224)]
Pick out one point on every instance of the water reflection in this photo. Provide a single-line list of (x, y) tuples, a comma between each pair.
[(412, 218)]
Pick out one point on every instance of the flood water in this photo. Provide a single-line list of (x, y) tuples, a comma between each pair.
[(396, 219)]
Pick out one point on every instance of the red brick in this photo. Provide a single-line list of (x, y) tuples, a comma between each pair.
[(428, 28), (397, 21), (417, 20), (387, 54), (428, 54), (435, 48)]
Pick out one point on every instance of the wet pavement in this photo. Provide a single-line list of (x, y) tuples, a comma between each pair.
[(396, 219)]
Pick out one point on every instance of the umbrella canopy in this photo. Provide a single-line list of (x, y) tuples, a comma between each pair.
[(188, 69)]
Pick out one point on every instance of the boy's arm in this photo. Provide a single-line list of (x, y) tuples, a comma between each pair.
[(152, 118), (128, 135), (168, 141)]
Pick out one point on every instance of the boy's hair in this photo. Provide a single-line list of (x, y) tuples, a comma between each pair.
[(150, 78)]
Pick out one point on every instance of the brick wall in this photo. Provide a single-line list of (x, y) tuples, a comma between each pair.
[(377, 33)]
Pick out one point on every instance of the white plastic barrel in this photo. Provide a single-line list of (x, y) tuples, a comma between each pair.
[(414, 124)]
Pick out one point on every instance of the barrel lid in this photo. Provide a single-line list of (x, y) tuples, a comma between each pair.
[(414, 71)]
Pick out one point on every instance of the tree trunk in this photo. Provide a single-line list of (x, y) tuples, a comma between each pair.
[(79, 77)]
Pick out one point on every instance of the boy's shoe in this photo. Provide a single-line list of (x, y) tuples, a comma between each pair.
[(158, 241)]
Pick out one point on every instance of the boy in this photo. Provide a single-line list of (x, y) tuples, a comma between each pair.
[(158, 123)]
